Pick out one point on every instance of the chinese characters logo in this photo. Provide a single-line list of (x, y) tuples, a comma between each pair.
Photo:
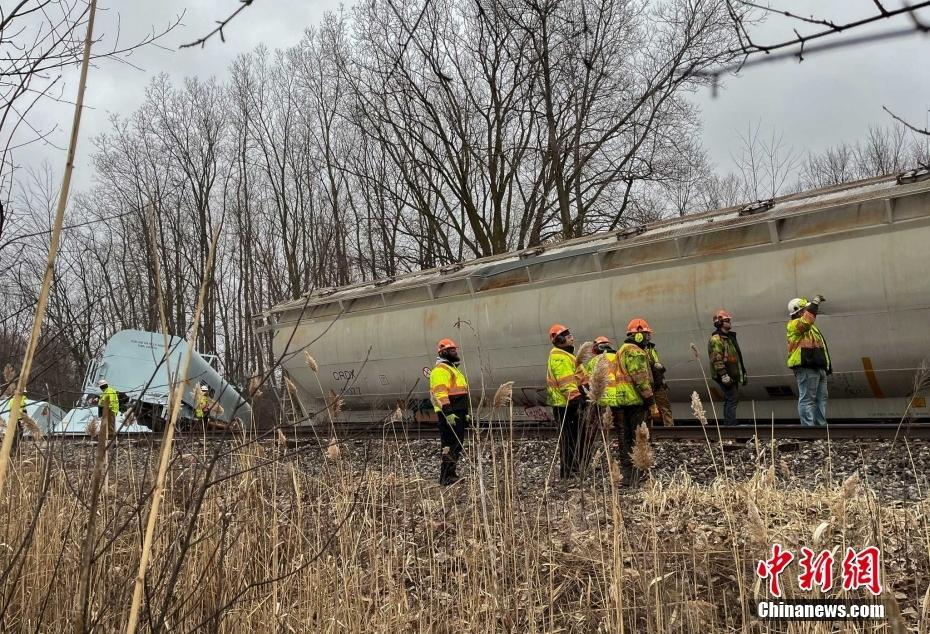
[(860, 569)]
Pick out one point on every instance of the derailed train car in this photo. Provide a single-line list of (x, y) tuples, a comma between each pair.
[(135, 362), (863, 245)]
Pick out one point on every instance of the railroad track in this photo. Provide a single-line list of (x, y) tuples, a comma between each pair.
[(529, 431)]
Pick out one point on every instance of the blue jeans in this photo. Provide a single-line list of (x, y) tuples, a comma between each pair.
[(812, 396), (730, 401)]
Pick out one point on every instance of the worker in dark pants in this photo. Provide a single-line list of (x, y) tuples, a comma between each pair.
[(449, 393), (565, 398), (726, 364), (635, 396)]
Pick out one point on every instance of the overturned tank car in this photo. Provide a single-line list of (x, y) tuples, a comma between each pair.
[(144, 366)]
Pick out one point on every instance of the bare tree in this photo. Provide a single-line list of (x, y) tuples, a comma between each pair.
[(885, 150), (42, 39)]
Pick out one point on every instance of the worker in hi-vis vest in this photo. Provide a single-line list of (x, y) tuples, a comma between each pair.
[(809, 358), (659, 386), (107, 407), (202, 406), (635, 397), (449, 393), (565, 398), (726, 364)]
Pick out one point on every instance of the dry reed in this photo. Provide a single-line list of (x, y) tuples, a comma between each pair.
[(9, 377), (287, 546), (598, 380), (504, 395), (311, 362), (255, 386), (334, 403), (167, 441), (642, 454), (585, 352), (54, 239)]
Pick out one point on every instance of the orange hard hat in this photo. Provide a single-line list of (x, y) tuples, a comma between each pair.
[(720, 315), (555, 330), (638, 325), (445, 344), (601, 339)]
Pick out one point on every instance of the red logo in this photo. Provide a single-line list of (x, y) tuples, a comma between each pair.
[(816, 570), (860, 569), (773, 567)]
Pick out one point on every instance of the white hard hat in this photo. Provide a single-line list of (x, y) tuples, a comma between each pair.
[(204, 388), (102, 382), (796, 304)]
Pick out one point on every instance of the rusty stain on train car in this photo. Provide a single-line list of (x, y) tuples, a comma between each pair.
[(504, 280), (669, 285), (719, 242)]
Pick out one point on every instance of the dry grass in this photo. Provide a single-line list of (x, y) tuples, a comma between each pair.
[(332, 544), (334, 403), (643, 457), (504, 395), (585, 352), (9, 378), (599, 377)]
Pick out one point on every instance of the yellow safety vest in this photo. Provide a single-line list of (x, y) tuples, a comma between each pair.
[(561, 378), (201, 404), (806, 345), (446, 381), (110, 399), (634, 378), (609, 396)]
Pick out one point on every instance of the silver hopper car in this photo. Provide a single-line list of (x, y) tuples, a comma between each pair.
[(863, 245)]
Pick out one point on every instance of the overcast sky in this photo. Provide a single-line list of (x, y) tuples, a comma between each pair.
[(830, 98)]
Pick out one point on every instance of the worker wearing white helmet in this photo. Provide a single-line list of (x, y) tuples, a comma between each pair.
[(202, 405), (809, 358)]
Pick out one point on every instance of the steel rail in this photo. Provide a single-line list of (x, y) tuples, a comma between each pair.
[(526, 431)]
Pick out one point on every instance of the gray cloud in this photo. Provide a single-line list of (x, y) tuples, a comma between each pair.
[(830, 98)]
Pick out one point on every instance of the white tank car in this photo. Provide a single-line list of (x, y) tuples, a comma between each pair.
[(133, 361), (863, 245)]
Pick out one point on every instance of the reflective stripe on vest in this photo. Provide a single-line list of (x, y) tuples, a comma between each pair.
[(806, 339), (446, 381), (561, 377), (609, 397), (627, 392)]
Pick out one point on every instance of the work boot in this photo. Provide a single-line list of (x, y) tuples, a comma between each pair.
[(447, 473)]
